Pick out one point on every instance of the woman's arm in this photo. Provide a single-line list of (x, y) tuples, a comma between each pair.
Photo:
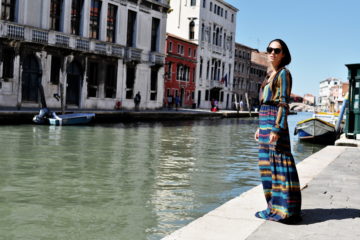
[(285, 83)]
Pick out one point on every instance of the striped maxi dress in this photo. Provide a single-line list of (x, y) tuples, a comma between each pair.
[(277, 166)]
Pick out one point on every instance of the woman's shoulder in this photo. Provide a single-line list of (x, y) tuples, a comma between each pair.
[(284, 72)]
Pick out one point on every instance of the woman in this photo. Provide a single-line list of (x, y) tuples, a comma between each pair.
[(277, 167)]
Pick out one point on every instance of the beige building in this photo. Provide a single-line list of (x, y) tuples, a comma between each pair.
[(258, 72), (242, 65), (309, 99), (89, 54)]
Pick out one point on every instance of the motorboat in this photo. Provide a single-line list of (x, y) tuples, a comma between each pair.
[(47, 117)]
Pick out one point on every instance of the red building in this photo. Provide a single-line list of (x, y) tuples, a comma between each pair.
[(180, 70)]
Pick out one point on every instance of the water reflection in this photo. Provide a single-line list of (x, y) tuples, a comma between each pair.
[(124, 181)]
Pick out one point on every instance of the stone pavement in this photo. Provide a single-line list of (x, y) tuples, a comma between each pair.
[(330, 180), (331, 205)]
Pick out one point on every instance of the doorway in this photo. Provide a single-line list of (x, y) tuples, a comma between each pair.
[(30, 81), (73, 89)]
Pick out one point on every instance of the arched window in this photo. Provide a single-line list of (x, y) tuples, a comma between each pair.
[(192, 30)]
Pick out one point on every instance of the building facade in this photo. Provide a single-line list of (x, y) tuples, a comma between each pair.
[(326, 102), (309, 99), (258, 72), (337, 95), (180, 71), (211, 24), (242, 65), (88, 54)]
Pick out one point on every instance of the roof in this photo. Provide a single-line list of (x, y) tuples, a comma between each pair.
[(180, 38)]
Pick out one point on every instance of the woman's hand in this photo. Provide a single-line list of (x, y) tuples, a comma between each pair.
[(256, 136), (273, 137)]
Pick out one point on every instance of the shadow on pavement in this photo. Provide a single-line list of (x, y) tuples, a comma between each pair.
[(317, 215)]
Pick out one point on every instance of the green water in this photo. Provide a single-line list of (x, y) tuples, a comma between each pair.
[(125, 181)]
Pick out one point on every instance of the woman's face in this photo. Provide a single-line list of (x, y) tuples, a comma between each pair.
[(275, 53)]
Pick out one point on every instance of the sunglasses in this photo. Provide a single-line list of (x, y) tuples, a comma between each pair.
[(276, 50)]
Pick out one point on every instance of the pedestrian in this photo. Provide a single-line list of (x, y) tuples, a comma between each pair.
[(170, 100), (277, 166), (216, 105), (177, 102), (241, 105), (137, 100)]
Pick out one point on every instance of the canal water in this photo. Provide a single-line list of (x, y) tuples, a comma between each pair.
[(124, 181)]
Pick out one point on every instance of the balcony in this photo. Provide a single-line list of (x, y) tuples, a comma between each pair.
[(164, 3), (216, 84), (217, 49), (133, 54), (62, 40), (156, 58)]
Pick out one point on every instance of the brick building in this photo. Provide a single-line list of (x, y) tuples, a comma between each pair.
[(180, 70)]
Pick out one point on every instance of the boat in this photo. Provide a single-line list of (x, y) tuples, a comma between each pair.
[(316, 130), (323, 127), (51, 118)]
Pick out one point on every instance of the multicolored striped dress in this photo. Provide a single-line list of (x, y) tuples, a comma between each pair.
[(277, 166)]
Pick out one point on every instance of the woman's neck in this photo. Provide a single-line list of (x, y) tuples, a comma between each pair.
[(274, 68)]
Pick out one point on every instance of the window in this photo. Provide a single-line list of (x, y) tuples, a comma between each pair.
[(8, 10), (189, 52), (130, 80), (8, 57), (92, 79), (155, 26), (191, 30), (202, 32), (55, 14), (201, 66), (111, 23), (169, 69), (95, 19), (55, 69), (180, 49), (194, 52), (131, 29), (210, 6), (170, 47), (225, 14), (207, 95), (232, 17), (179, 72), (193, 3), (110, 81), (204, 3), (76, 8), (153, 83), (207, 69)]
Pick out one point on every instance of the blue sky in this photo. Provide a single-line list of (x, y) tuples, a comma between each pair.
[(322, 35)]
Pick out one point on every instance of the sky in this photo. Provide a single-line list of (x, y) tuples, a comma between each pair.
[(322, 35)]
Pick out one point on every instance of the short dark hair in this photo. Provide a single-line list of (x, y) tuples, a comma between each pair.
[(287, 56)]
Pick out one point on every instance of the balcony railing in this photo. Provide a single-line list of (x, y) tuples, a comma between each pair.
[(156, 58), (133, 54), (14, 31), (62, 40), (40, 36)]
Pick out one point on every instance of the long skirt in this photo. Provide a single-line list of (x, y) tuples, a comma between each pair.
[(278, 170)]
